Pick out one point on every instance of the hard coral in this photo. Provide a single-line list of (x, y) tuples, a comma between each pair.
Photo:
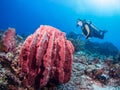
[(9, 41), (46, 57)]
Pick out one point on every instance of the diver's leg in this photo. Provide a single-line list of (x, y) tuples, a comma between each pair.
[(102, 34), (97, 34), (103, 31)]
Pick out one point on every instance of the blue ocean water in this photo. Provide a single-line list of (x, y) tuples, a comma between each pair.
[(27, 15)]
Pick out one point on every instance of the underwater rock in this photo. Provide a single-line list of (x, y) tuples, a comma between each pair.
[(9, 41), (1, 41), (118, 57), (77, 42), (9, 70), (114, 71), (19, 39), (1, 34), (72, 35), (111, 50), (46, 57), (102, 48)]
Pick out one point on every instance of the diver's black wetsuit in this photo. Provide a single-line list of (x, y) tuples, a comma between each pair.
[(93, 31)]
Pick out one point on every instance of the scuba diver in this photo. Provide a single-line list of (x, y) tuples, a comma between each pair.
[(89, 30)]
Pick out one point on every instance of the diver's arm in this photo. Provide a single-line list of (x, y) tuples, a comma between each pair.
[(88, 31)]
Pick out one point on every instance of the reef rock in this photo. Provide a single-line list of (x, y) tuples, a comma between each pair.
[(105, 48), (76, 40), (9, 42), (46, 57)]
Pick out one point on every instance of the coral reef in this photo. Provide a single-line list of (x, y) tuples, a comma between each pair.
[(78, 44), (72, 35), (118, 57), (10, 70), (92, 47), (76, 41), (1, 41), (46, 57), (87, 74), (90, 70), (9, 41), (102, 48)]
